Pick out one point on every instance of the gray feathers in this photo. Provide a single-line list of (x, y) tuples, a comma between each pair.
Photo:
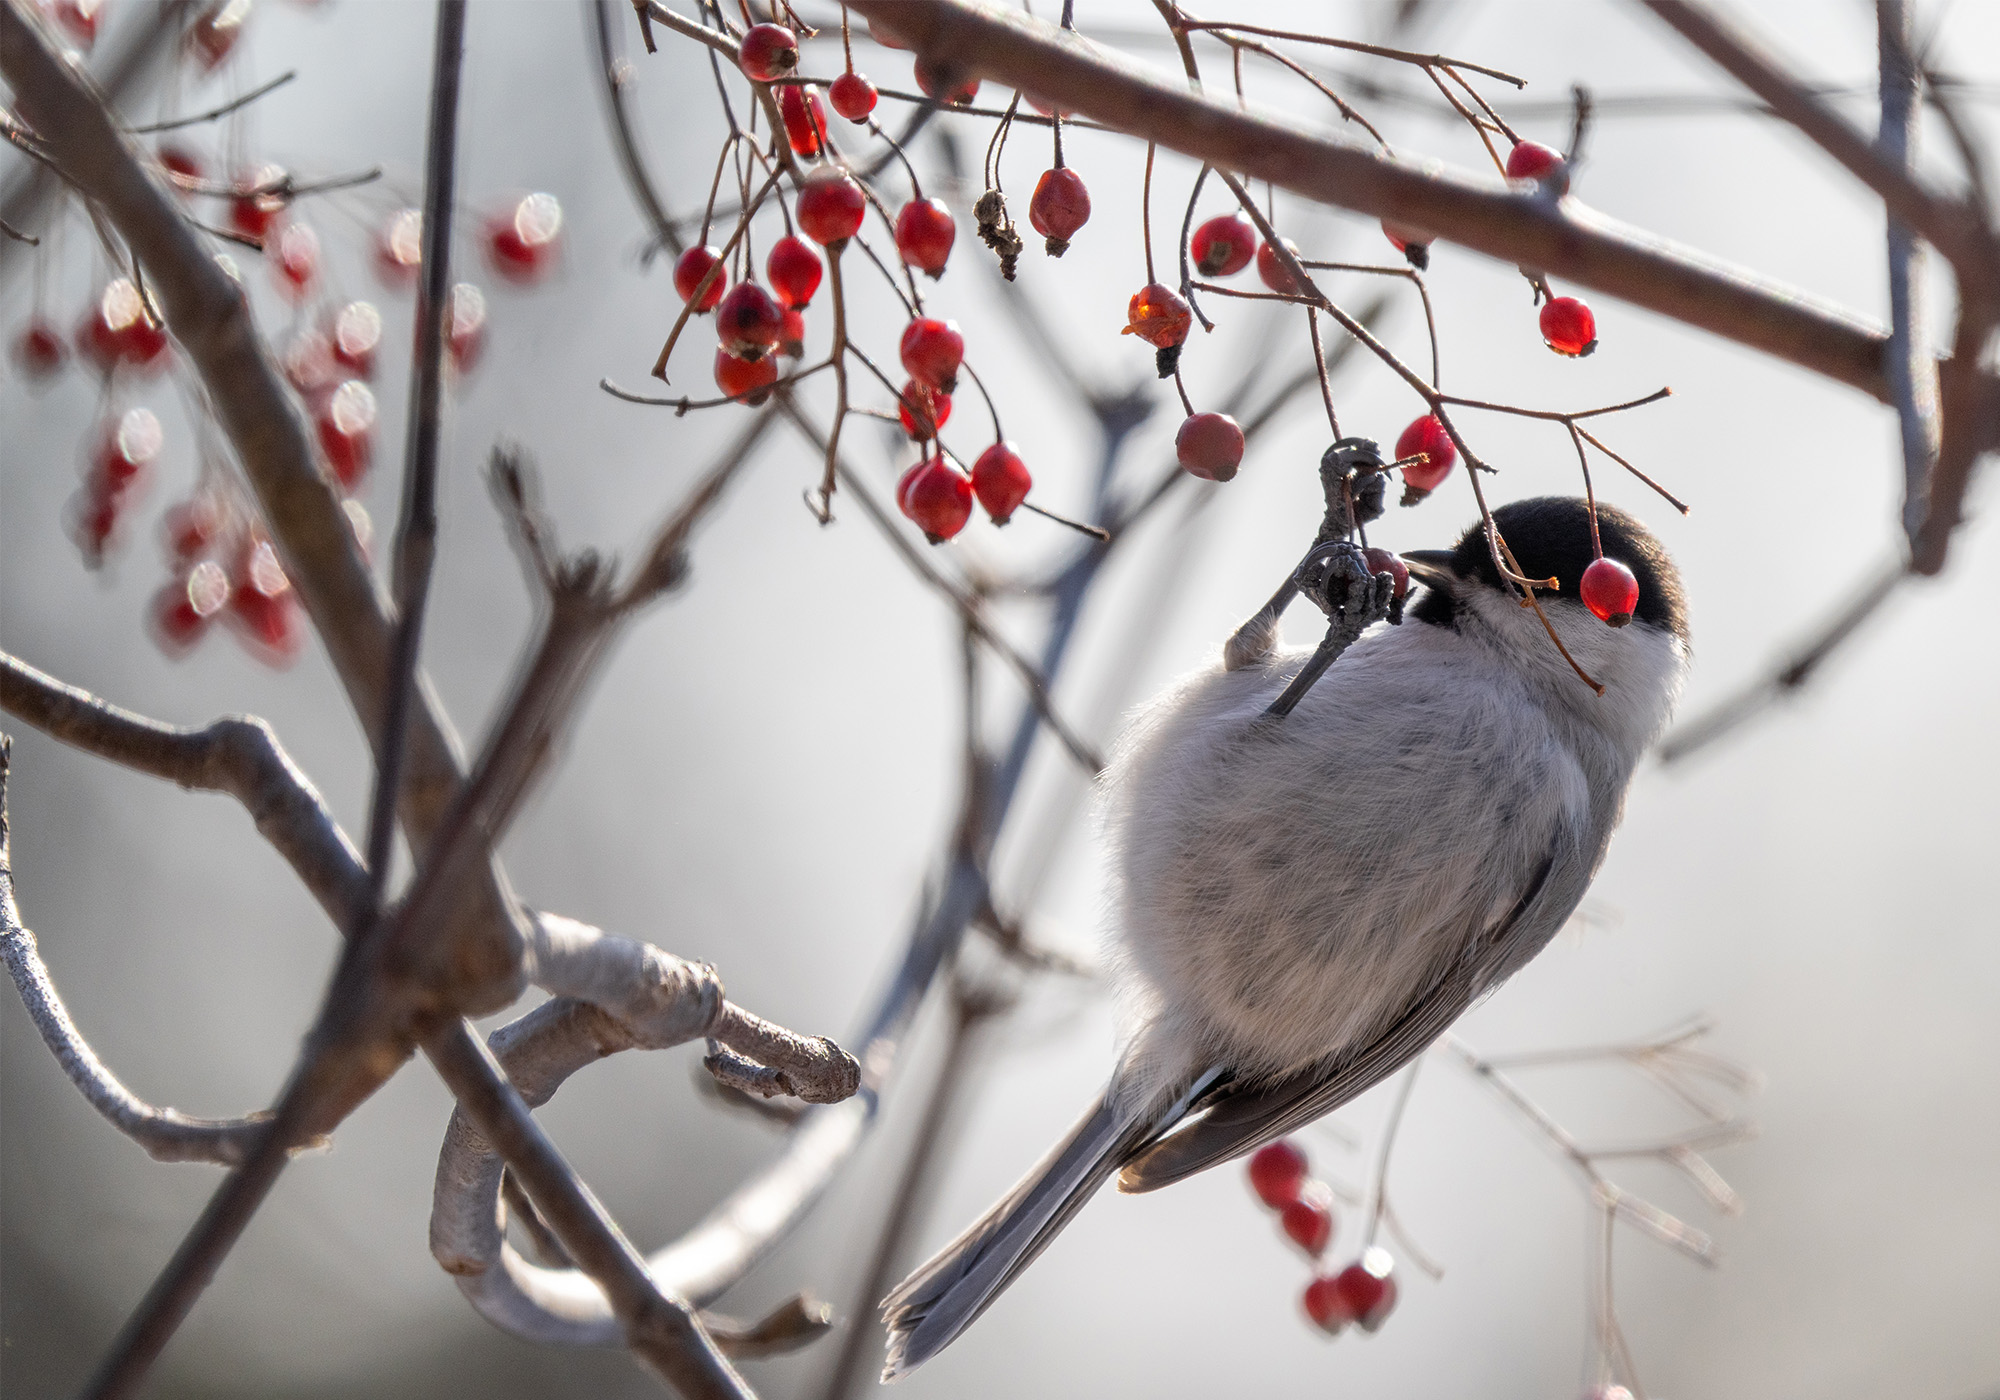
[(1304, 904)]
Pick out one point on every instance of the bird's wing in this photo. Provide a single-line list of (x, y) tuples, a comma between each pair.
[(1236, 1116)]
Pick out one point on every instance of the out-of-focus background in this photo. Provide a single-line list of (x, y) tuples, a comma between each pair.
[(765, 776)]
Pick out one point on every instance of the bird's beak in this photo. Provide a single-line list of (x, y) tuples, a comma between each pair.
[(1431, 566)]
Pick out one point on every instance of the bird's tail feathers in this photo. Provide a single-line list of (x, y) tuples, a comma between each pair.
[(940, 1300)]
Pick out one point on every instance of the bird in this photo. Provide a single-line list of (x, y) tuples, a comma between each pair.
[(1304, 903)]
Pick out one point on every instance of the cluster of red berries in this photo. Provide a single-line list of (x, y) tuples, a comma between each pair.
[(1361, 1294), (224, 569), (209, 40), (1568, 327)]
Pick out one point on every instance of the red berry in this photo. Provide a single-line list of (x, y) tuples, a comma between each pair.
[(932, 410), (522, 244), (212, 38), (94, 521), (946, 82), (932, 351), (1426, 435), (854, 97), (1531, 160), (183, 609), (297, 248), (692, 266), (830, 206), (938, 498), (1158, 316), (346, 424), (924, 231), (263, 606), (128, 449), (256, 204), (1308, 1221), (1000, 479), (356, 335), (792, 340), (309, 364), (1273, 272), (1568, 327), (1223, 245), (904, 482), (180, 163), (79, 19), (1413, 244), (768, 51), (1382, 561), (39, 351), (805, 118), (119, 332), (399, 251), (1060, 207), (749, 380), (191, 527), (467, 334), (1210, 446), (794, 269), (749, 322), (1277, 1169), (1609, 590)]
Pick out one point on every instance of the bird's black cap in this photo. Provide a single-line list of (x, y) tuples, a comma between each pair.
[(1550, 537)]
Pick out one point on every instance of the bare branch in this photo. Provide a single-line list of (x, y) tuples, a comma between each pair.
[(1911, 367), (167, 1134), (235, 104)]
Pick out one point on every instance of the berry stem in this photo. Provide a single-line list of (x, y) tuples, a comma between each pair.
[(1101, 535), (1181, 388), (846, 39), (1378, 1193), (1187, 275), (1146, 213), (1589, 492), (838, 290), (1325, 384), (991, 411)]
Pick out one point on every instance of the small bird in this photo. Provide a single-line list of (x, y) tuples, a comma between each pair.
[(1306, 902)]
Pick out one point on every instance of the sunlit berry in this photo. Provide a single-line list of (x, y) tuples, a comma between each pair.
[(924, 233), (749, 322), (191, 529), (297, 259), (922, 409), (853, 96), (1060, 207), (830, 207), (1277, 1169), (182, 611), (932, 350), (1158, 315), (1308, 1220), (1001, 481), (748, 380), (1426, 435), (1273, 271), (768, 51), (794, 269), (128, 450), (1609, 590), (346, 424), (1531, 160), (399, 249), (1382, 561), (355, 337), (118, 330), (1223, 245), (465, 335), (689, 270), (522, 244), (213, 37), (804, 114), (1413, 244), (308, 363), (181, 164), (939, 499), (1568, 327), (264, 607), (258, 201), (945, 81), (39, 351)]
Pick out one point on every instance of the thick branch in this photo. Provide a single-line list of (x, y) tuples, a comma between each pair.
[(1912, 371), (1521, 228)]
